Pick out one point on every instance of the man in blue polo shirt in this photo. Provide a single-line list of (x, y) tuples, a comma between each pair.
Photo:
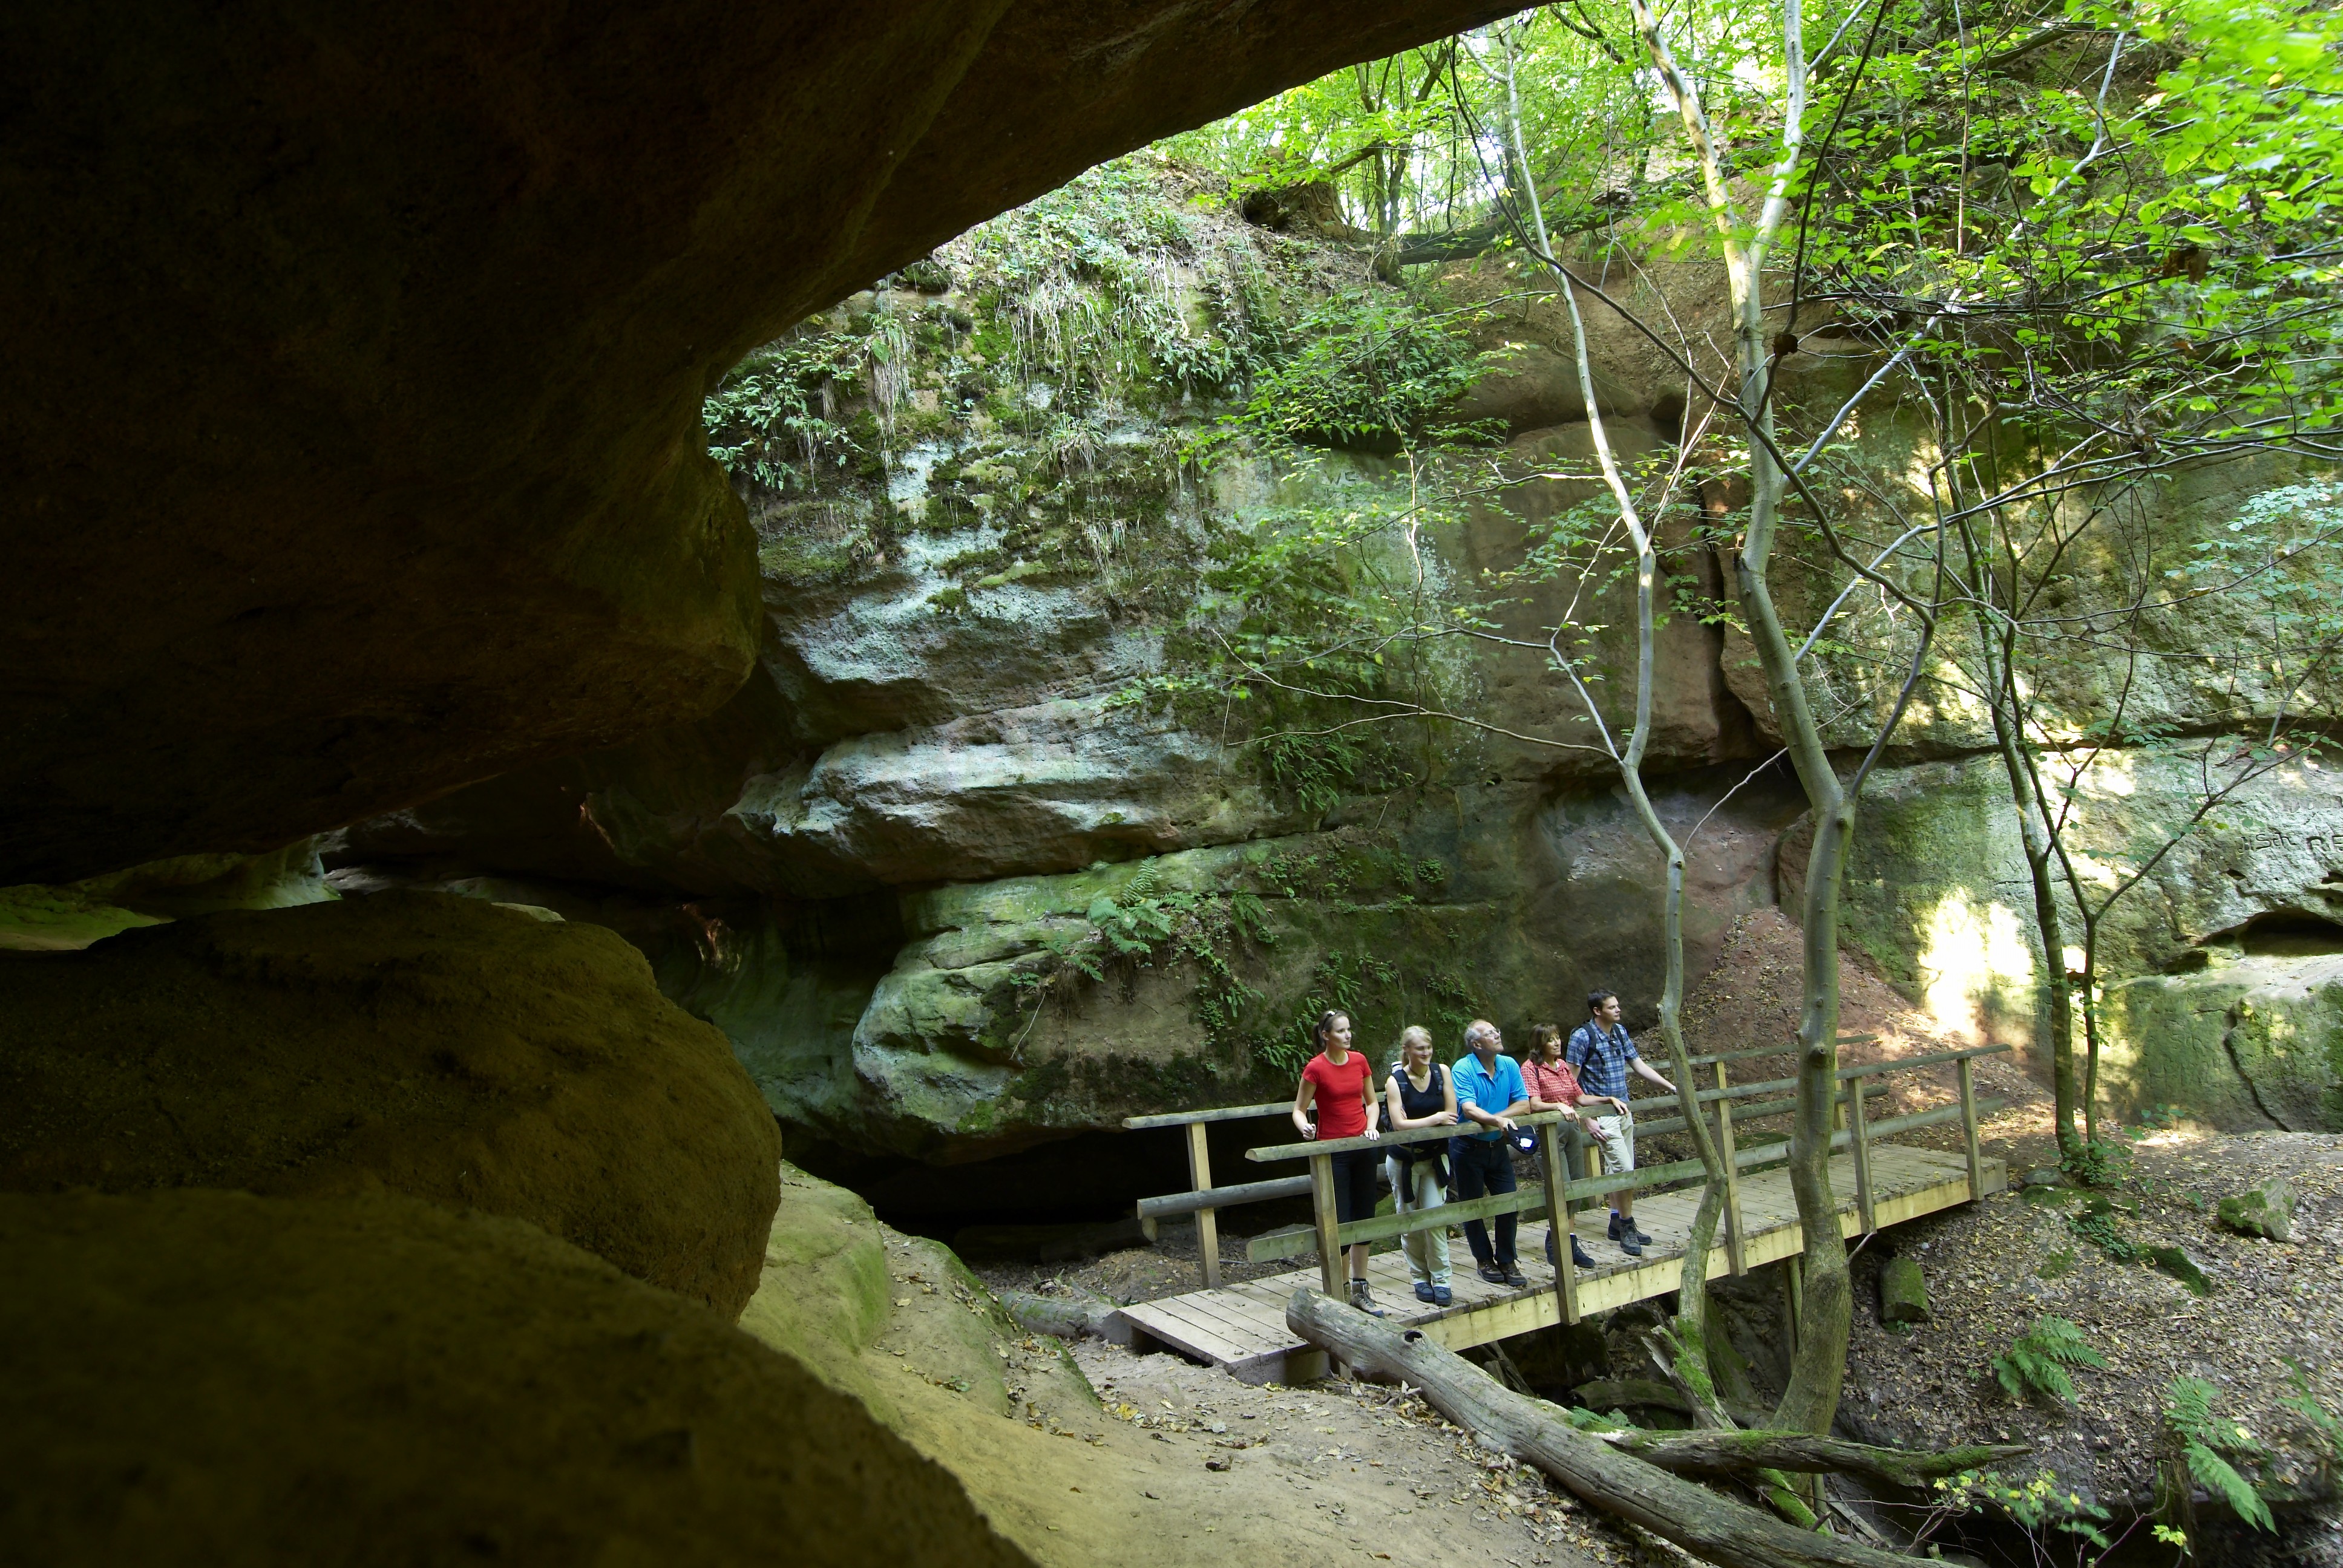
[(1489, 1093)]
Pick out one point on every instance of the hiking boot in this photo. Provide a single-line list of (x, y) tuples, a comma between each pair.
[(1513, 1276), (1441, 1296), (1364, 1299), (1615, 1224), (1580, 1255), (1642, 1239), (1494, 1274), (1423, 1294), (1629, 1245)]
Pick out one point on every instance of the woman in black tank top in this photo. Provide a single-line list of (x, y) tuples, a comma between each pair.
[(1420, 1094)]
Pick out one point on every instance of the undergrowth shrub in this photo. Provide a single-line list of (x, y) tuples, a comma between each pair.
[(2206, 1438), (2037, 1360)]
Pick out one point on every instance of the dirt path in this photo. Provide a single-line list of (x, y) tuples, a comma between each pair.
[(1173, 1464), (1331, 1472)]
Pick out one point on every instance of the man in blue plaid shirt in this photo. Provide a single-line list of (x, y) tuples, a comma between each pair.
[(1600, 1052)]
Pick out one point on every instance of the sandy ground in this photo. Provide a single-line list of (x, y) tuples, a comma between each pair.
[(1176, 1463)]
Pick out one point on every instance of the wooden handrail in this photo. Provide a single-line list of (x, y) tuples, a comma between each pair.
[(1463, 1127), (1229, 1197), (1750, 1054), (1531, 1201), (1933, 1058), (1204, 1199), (1747, 1090), (1528, 1201), (1190, 1118)]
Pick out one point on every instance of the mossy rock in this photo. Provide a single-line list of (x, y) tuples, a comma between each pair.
[(2266, 1211), (451, 1049), (204, 1377), (1903, 1292)]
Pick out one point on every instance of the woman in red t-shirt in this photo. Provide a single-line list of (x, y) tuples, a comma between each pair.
[(1336, 1080)]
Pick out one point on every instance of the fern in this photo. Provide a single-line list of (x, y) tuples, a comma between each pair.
[(2096, 1225), (2204, 1437), (2038, 1358)]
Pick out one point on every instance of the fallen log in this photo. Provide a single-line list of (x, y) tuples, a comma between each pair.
[(1066, 1317), (1738, 1453), (1716, 1529)]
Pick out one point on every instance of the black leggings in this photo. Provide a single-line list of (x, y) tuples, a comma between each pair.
[(1355, 1183)]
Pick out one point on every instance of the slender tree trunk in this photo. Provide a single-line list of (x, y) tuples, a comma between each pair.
[(1996, 646), (2090, 988), (1688, 1338), (1818, 1369)]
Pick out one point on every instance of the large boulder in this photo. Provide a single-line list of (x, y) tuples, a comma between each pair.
[(38, 919), (1503, 901), (2255, 1042), (459, 1051), (204, 1377)]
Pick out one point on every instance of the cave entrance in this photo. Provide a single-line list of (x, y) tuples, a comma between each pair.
[(2282, 933)]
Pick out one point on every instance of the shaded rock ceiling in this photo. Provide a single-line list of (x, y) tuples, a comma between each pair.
[(351, 433)]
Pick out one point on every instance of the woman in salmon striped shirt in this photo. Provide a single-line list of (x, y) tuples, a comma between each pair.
[(1553, 1086)]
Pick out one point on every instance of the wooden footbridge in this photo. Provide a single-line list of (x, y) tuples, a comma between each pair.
[(1241, 1326)]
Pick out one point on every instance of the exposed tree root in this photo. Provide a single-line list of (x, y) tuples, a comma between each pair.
[(1738, 1454)]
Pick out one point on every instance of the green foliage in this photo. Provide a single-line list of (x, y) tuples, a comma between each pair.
[(2177, 1262), (777, 418), (2209, 1441), (1374, 370), (1147, 923), (2096, 1162), (2035, 1505), (1316, 637), (1222, 932), (1403, 139), (1088, 286), (2324, 1427), (2037, 1360), (2097, 1224)]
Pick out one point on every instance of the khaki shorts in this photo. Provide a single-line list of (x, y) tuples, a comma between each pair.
[(1617, 1135)]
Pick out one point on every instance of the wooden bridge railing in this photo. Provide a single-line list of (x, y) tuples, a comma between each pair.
[(1857, 1131), (1203, 1200)]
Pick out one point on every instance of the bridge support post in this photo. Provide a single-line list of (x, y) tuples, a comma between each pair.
[(1969, 1130), (1733, 1255), (1860, 1139), (1208, 1225), (1322, 1204), (1557, 1219)]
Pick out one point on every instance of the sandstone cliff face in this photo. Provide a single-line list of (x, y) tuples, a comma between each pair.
[(953, 877)]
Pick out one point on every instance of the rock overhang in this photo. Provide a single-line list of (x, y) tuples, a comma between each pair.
[(396, 328)]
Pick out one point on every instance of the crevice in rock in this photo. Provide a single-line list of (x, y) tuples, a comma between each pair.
[(2230, 1022)]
